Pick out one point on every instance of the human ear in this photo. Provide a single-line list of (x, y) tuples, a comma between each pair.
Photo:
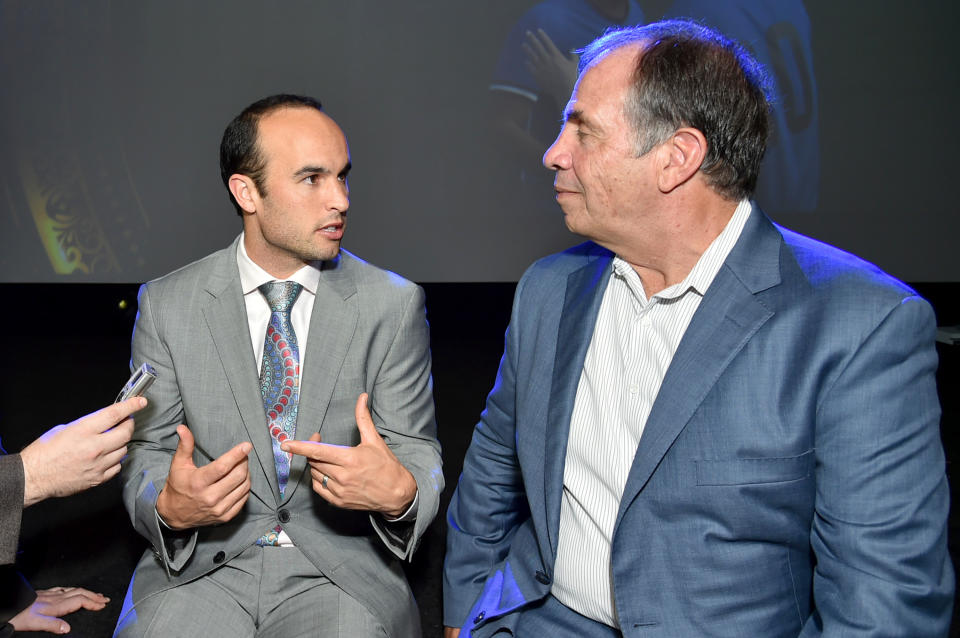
[(244, 192), (681, 156)]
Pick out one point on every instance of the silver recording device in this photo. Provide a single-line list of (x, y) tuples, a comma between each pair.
[(138, 383)]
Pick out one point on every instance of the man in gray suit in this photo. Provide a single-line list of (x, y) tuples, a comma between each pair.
[(338, 350)]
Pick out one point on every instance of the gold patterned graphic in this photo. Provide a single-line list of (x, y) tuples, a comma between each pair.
[(55, 190)]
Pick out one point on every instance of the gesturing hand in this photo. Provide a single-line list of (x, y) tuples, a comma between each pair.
[(196, 496), (71, 458), (44, 613), (365, 477)]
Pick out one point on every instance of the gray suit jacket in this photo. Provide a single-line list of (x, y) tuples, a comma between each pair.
[(368, 333)]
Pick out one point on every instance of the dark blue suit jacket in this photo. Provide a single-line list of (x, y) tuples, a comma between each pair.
[(789, 480)]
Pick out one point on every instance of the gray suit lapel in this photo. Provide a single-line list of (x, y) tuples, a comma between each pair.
[(226, 318), (580, 307), (728, 316), (332, 326)]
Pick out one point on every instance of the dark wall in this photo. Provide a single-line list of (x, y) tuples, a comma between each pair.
[(66, 354), (111, 114)]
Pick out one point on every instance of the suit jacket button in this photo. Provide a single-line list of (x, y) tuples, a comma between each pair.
[(284, 516), (480, 617), (218, 558), (542, 577)]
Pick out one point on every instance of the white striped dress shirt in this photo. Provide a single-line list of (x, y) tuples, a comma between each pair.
[(633, 343)]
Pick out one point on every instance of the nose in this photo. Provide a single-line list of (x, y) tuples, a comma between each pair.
[(340, 197), (557, 156)]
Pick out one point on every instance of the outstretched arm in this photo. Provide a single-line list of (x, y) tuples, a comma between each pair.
[(87, 452)]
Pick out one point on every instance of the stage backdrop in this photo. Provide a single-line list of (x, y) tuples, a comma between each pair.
[(111, 115)]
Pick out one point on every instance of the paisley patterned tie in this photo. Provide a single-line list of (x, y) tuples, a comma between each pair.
[(280, 372), (280, 381)]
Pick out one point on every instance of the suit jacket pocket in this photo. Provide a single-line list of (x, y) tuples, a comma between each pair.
[(711, 472)]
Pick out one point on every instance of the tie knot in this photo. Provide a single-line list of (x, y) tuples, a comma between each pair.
[(280, 294)]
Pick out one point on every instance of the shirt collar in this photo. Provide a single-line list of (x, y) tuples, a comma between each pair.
[(253, 276), (705, 270)]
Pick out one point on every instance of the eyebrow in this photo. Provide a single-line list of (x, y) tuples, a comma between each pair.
[(574, 115), (322, 170), (577, 118)]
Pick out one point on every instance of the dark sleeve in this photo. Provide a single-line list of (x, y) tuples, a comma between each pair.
[(11, 506), (15, 596), (489, 504)]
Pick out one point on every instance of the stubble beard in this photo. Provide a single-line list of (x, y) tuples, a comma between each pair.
[(303, 249)]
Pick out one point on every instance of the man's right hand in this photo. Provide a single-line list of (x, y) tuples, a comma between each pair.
[(197, 496), (451, 632), (71, 458)]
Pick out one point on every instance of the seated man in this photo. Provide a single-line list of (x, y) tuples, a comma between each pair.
[(704, 424), (265, 347)]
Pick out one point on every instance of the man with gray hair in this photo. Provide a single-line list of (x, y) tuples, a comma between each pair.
[(703, 424)]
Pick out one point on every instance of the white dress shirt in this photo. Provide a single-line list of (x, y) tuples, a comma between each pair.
[(252, 277), (633, 343)]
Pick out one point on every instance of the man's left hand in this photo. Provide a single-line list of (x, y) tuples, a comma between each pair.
[(365, 477)]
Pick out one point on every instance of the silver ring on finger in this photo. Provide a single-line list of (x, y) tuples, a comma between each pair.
[(323, 483)]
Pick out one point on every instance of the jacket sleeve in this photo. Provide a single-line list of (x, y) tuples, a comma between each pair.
[(879, 530), (402, 409), (16, 594), (154, 442), (489, 504), (11, 506)]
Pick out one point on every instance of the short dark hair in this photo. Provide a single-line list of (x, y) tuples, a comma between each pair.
[(690, 75), (239, 148)]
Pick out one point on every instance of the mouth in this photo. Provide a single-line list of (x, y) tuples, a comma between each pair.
[(332, 231)]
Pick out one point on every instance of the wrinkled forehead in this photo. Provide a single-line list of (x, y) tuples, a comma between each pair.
[(607, 76)]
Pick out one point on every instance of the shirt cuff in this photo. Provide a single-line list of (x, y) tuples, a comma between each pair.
[(163, 522), (409, 515)]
